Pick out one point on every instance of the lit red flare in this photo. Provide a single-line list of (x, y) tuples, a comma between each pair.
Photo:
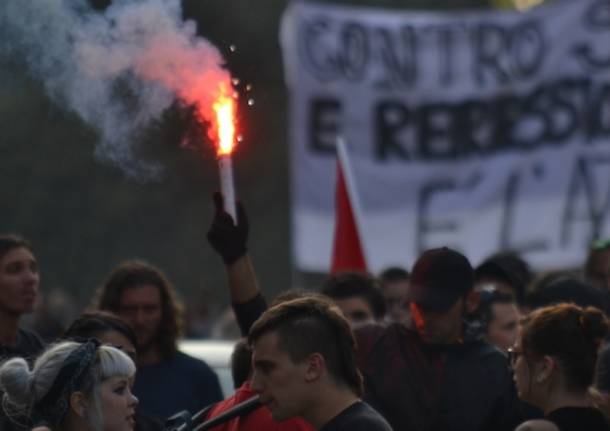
[(223, 133), (223, 130)]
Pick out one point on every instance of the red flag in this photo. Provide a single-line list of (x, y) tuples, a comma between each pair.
[(348, 253)]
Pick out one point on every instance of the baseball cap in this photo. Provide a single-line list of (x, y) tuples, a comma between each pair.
[(439, 277)]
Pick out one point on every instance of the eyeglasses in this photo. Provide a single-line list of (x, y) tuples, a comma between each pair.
[(513, 355)]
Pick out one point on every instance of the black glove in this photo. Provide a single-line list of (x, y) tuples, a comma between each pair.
[(228, 239)]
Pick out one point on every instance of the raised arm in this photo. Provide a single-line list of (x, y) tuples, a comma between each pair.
[(230, 242)]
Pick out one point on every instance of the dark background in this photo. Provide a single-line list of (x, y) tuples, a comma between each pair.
[(84, 217)]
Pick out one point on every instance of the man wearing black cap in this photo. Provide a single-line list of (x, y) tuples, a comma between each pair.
[(434, 374)]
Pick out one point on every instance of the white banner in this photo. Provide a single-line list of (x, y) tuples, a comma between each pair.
[(481, 130)]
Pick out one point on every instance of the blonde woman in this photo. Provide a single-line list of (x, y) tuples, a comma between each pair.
[(71, 387)]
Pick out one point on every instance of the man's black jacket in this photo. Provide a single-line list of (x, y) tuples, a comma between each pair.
[(466, 386)]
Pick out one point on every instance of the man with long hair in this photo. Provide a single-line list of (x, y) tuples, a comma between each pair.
[(167, 380)]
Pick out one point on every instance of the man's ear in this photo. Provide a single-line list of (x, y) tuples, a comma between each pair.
[(78, 404), (315, 367), (547, 366)]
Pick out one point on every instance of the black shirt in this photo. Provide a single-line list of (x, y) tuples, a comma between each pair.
[(578, 419), (425, 387), (181, 382), (357, 417), (246, 313)]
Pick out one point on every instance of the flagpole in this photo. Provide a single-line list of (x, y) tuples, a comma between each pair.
[(352, 192)]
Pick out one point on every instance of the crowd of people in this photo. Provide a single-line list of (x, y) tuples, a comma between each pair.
[(444, 346)]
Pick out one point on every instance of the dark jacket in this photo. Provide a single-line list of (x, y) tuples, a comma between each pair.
[(419, 387)]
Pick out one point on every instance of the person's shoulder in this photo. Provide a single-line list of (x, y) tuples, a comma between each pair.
[(372, 418), (537, 425), (359, 417)]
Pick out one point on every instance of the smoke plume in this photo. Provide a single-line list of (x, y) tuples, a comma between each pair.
[(119, 69)]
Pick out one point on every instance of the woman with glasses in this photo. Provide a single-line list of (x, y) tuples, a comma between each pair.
[(554, 364)]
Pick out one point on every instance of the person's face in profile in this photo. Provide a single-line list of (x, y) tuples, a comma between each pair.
[(503, 328), (118, 404), (521, 371), (281, 383)]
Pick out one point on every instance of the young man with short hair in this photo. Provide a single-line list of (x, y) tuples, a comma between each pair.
[(303, 354), (499, 317)]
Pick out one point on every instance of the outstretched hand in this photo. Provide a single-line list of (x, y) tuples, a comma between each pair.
[(227, 238)]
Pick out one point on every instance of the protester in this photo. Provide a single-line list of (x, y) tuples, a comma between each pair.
[(357, 295), (73, 387), (241, 368), (19, 283), (304, 360), (554, 362), (499, 317), (394, 287), (168, 380), (111, 330), (437, 374), (434, 375), (597, 265)]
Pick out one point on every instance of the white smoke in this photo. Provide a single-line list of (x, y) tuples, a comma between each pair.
[(119, 69)]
